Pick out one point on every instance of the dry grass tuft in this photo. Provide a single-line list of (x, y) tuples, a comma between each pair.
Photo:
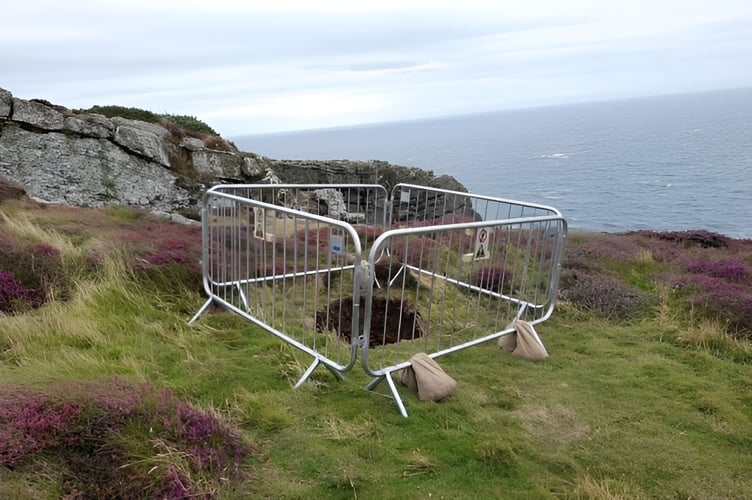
[(338, 429), (587, 487), (553, 424), (419, 465)]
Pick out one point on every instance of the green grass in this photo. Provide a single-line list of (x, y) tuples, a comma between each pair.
[(189, 123), (656, 407)]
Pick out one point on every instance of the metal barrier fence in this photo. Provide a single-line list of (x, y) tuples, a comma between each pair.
[(456, 271), (287, 257), (333, 269)]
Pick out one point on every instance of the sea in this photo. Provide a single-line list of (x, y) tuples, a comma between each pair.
[(663, 163)]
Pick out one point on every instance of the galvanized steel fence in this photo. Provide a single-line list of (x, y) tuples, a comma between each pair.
[(335, 269)]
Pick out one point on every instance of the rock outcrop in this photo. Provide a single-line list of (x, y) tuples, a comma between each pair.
[(58, 155)]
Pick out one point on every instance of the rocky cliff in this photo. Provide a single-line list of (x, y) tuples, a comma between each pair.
[(64, 156)]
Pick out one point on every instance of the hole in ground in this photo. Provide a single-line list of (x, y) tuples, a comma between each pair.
[(391, 320)]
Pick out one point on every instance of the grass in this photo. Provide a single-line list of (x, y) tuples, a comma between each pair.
[(656, 404), (189, 123)]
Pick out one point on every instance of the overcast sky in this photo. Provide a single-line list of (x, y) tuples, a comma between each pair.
[(261, 66)]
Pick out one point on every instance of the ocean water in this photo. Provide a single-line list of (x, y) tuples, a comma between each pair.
[(678, 162)]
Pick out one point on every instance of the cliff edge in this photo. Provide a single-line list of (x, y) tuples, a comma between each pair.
[(79, 158)]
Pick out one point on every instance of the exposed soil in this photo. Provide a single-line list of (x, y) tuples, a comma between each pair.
[(388, 315), (10, 190)]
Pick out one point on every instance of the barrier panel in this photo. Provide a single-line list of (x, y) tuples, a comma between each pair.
[(338, 269), (285, 256), (455, 271)]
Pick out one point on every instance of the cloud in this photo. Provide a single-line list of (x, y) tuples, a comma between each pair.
[(307, 105), (260, 66)]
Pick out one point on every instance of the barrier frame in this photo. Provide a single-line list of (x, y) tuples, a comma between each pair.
[(212, 285), (409, 213)]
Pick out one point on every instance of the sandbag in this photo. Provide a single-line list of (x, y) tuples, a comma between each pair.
[(425, 377), (524, 342)]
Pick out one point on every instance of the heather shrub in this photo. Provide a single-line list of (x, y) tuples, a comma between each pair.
[(697, 238), (15, 297), (314, 238), (31, 274), (169, 250), (604, 253), (732, 270), (368, 235), (165, 253), (125, 112), (213, 141), (47, 249), (591, 253), (606, 246), (710, 272), (717, 299), (414, 250), (49, 272), (116, 439), (190, 123), (607, 297)]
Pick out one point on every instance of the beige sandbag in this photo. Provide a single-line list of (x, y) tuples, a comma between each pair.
[(524, 342), (426, 377), (508, 342)]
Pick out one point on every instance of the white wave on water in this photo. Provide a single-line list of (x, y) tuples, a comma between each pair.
[(556, 156)]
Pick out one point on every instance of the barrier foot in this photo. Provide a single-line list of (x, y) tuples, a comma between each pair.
[(397, 398), (373, 383), (314, 365), (308, 372), (335, 372), (393, 388), (200, 311)]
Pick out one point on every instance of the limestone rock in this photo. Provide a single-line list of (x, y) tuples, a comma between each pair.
[(254, 166), (218, 164), (90, 125), (145, 139), (37, 115), (335, 202), (55, 168), (191, 143), (6, 104)]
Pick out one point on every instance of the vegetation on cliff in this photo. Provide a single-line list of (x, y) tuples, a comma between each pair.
[(107, 392), (187, 123)]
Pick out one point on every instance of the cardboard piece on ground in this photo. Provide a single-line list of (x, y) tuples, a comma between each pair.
[(426, 377), (524, 342)]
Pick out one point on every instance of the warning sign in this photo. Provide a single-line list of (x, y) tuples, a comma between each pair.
[(405, 196), (259, 226), (337, 244), (481, 244)]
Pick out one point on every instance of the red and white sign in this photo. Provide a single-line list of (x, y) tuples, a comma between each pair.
[(481, 244)]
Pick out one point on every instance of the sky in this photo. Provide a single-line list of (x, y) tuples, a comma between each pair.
[(261, 66)]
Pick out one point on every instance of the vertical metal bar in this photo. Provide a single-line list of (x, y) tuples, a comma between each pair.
[(284, 270), (306, 247), (248, 252)]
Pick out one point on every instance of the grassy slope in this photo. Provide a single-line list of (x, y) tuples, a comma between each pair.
[(619, 409)]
